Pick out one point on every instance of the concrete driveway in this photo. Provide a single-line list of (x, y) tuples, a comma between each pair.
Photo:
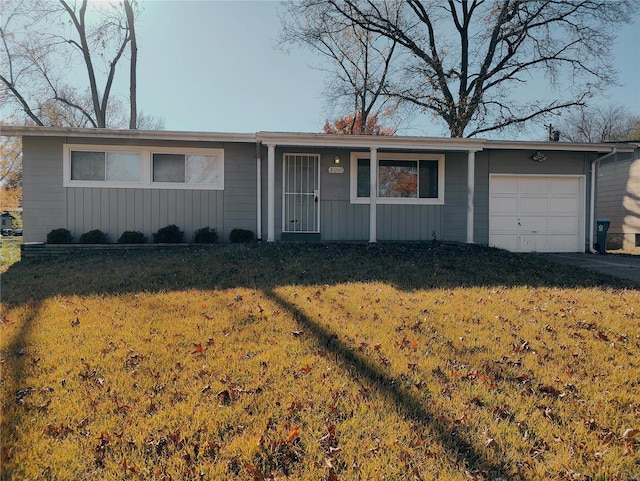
[(624, 266)]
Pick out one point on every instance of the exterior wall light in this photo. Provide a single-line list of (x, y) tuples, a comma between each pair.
[(539, 157), (336, 160)]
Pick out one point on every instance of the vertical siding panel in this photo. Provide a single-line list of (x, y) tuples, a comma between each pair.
[(196, 211), (104, 213), (130, 209), (181, 220), (162, 205), (145, 228), (155, 210), (114, 228), (138, 209), (95, 210), (71, 209), (218, 197), (87, 195), (350, 224)]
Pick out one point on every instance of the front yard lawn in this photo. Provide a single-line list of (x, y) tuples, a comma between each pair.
[(318, 362)]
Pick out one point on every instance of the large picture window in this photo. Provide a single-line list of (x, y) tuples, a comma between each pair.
[(402, 178), (141, 167)]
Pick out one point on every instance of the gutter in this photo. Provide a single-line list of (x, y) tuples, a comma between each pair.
[(592, 200)]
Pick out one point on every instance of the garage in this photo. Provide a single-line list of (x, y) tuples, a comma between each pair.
[(530, 213)]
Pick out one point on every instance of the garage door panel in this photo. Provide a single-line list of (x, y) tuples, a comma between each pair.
[(533, 205), (563, 243), (534, 243), (561, 223), (505, 205), (534, 185), (563, 204), (504, 185), (564, 187), (544, 214), (534, 224), (505, 241), (505, 223)]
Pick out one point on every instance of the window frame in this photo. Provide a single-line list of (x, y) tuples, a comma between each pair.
[(146, 167), (409, 157)]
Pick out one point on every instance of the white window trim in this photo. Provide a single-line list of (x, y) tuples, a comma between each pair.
[(146, 167), (396, 156)]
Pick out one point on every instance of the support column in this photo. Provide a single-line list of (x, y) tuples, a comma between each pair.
[(271, 193), (471, 177), (373, 194)]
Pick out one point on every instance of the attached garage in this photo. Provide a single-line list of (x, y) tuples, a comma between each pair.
[(531, 213)]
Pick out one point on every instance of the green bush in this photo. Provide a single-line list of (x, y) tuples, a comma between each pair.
[(241, 235), (170, 234), (59, 236), (95, 236), (206, 235), (132, 237)]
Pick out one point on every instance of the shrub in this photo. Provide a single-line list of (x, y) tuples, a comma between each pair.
[(170, 234), (132, 237), (95, 236), (241, 235), (206, 235), (59, 236)]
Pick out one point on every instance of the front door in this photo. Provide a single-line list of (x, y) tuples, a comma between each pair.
[(301, 189)]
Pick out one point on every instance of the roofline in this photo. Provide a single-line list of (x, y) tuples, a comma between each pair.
[(37, 131), (317, 140)]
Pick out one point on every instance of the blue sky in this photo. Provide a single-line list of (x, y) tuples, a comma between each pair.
[(214, 66)]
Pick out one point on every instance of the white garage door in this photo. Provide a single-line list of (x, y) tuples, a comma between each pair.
[(531, 213)]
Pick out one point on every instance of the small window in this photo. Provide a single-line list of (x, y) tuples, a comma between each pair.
[(186, 168), (402, 178), (168, 168), (105, 166)]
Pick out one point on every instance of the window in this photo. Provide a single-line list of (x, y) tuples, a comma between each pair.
[(105, 166), (140, 167), (402, 178), (186, 168)]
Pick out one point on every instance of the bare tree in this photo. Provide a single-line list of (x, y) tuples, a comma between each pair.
[(466, 59), (45, 44), (613, 123), (360, 60)]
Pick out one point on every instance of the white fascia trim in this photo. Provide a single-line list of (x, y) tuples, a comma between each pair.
[(367, 142), (556, 146), (35, 131)]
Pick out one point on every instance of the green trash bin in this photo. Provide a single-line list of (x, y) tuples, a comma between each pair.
[(602, 227)]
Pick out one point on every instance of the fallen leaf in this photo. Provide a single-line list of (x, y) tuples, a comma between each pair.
[(198, 349), (630, 434)]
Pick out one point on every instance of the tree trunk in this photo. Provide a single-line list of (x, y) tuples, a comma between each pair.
[(133, 118)]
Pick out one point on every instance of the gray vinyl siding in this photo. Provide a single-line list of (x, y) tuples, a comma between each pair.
[(619, 188), (48, 205), (43, 195)]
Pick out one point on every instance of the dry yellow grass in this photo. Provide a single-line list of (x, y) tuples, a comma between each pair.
[(355, 379)]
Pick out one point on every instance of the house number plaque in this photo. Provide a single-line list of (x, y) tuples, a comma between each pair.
[(336, 170)]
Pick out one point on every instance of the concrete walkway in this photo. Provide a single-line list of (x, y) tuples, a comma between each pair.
[(624, 266)]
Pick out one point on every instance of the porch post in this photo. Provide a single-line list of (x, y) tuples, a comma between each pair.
[(373, 194), (471, 175), (271, 192)]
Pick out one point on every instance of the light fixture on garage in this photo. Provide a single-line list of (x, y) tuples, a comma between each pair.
[(336, 160), (539, 157)]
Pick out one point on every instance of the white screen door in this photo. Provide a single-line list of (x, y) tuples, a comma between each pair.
[(301, 188)]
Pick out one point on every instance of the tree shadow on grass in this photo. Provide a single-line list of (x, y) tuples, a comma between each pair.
[(446, 433), (17, 358)]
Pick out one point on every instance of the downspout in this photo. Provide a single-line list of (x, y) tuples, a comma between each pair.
[(471, 178), (592, 200), (259, 191)]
